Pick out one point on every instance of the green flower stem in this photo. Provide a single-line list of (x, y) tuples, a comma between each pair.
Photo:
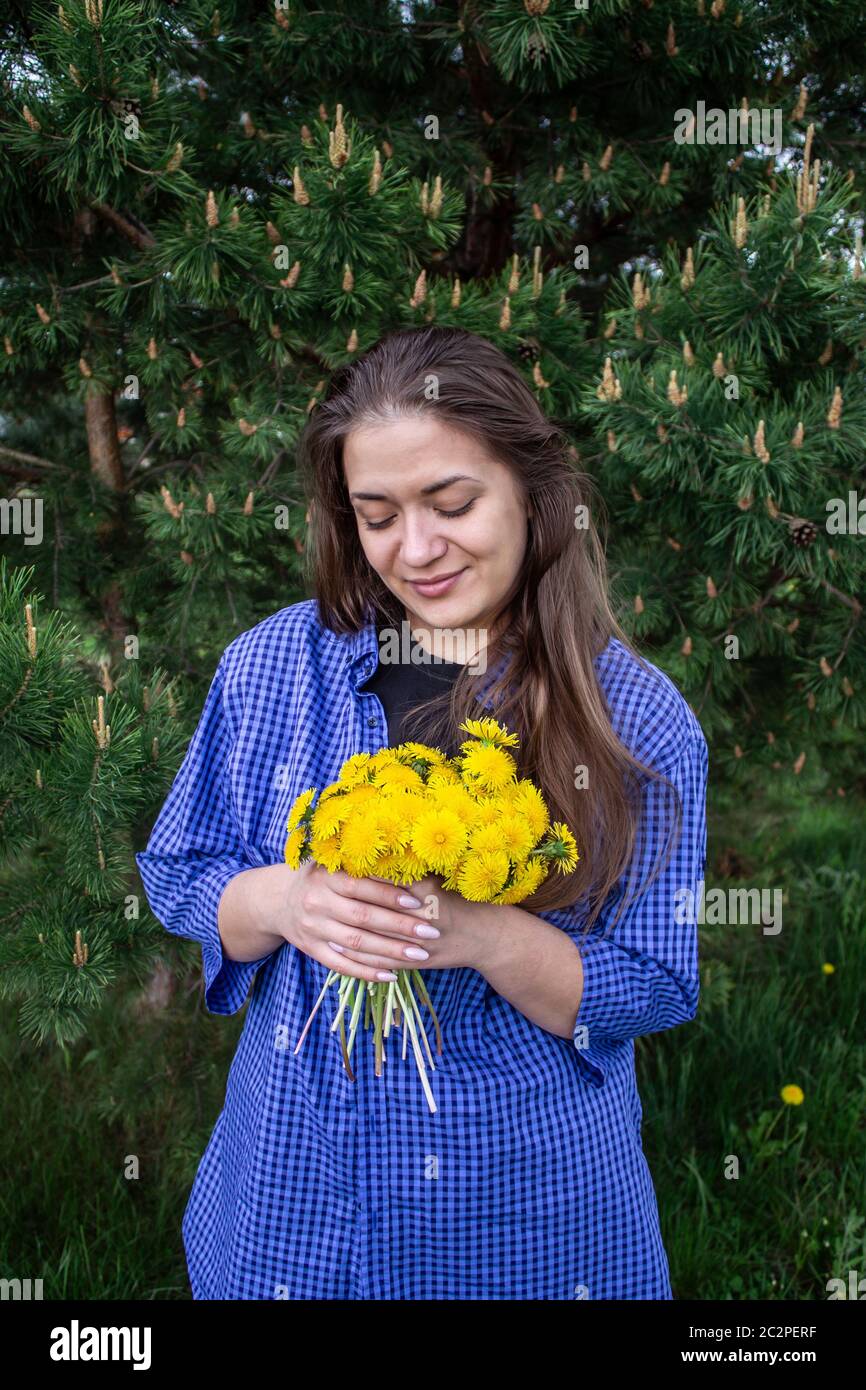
[(389, 1008), (361, 995), (422, 1070), (332, 976), (419, 980), (346, 982), (414, 1003)]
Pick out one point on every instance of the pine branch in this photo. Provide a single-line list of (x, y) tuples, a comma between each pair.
[(139, 236), (34, 462)]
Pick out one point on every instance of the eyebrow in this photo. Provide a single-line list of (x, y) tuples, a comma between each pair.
[(425, 491)]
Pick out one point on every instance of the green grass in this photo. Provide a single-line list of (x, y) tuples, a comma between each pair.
[(149, 1080)]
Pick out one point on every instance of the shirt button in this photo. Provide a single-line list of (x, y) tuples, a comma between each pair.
[(359, 1206), (372, 722)]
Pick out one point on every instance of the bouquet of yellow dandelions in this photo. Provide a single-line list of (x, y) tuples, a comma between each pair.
[(405, 813)]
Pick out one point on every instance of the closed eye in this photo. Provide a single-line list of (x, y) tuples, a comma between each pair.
[(380, 525)]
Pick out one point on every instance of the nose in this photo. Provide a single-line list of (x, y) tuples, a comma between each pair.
[(420, 545)]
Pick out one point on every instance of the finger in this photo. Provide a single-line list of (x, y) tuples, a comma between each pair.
[(344, 965), (373, 958), (390, 949), (355, 912), (372, 890)]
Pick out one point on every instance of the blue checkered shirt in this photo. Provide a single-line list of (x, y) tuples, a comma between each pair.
[(529, 1181)]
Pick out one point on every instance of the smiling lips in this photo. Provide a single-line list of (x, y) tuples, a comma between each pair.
[(432, 588)]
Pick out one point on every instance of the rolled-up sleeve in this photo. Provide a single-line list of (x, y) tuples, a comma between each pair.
[(195, 850), (642, 975)]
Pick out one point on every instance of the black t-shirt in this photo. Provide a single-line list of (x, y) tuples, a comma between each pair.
[(403, 685)]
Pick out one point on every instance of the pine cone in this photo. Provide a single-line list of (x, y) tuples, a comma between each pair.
[(802, 532)]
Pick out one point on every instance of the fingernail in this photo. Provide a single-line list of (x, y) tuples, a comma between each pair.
[(385, 975), (406, 900), (334, 947), (416, 952), (427, 931)]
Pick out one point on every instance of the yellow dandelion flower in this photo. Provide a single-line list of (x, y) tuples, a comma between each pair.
[(527, 878), (394, 820), (827, 968), (329, 815), (487, 766), (355, 769), (443, 775), (458, 800), (294, 845), (792, 1095), (570, 856), (515, 836), (361, 841), (451, 880), (385, 757), (485, 837), (397, 775), (359, 796), (400, 868), (328, 851), (491, 730), (299, 806), (529, 802), (438, 837), (330, 790), (483, 875), (488, 809), (420, 752)]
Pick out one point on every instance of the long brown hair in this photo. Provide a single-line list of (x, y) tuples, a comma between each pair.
[(556, 619)]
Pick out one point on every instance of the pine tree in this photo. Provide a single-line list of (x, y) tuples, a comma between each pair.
[(210, 209)]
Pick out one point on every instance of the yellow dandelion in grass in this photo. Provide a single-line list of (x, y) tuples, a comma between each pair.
[(488, 767), (362, 841), (792, 1095), (299, 806), (355, 769), (483, 875), (438, 838), (294, 845), (328, 851), (527, 877), (529, 802), (566, 841), (515, 835), (490, 730), (827, 968), (397, 775)]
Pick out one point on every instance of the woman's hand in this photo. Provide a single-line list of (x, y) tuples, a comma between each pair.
[(360, 926)]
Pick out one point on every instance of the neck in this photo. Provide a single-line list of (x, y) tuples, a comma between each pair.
[(461, 645)]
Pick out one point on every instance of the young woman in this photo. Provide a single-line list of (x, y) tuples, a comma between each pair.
[(442, 499)]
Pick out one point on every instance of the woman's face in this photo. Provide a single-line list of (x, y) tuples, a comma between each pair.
[(430, 502)]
